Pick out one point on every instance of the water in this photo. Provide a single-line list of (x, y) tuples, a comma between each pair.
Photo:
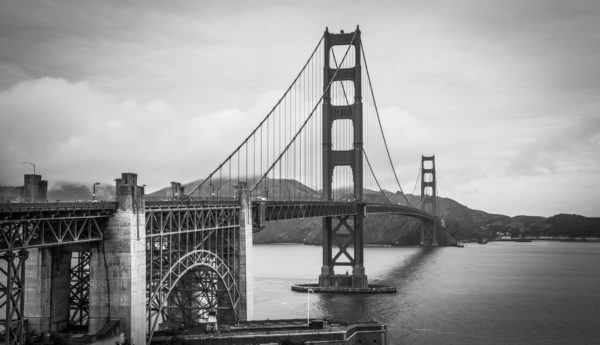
[(498, 293)]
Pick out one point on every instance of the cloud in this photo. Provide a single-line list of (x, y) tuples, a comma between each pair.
[(73, 132), (504, 93), (566, 147)]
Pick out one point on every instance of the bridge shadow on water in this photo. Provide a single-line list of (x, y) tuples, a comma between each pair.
[(379, 307)]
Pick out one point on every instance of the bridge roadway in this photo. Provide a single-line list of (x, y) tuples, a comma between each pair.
[(30, 225)]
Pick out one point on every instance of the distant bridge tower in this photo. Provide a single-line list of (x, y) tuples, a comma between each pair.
[(429, 200), (343, 230)]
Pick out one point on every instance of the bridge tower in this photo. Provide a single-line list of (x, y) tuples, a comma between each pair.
[(345, 230), (429, 200)]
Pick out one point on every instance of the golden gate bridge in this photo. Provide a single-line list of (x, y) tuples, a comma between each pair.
[(319, 152)]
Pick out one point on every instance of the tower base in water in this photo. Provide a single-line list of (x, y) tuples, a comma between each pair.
[(371, 289)]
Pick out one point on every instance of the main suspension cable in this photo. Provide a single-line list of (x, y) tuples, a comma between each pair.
[(379, 120), (307, 119), (263, 120)]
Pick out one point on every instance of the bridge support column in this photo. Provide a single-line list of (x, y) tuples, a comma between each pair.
[(46, 304), (118, 266), (47, 285), (34, 189), (327, 268), (245, 252), (344, 231), (359, 278), (12, 296), (177, 191), (429, 200)]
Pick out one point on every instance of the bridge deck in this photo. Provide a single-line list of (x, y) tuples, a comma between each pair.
[(28, 225), (25, 225)]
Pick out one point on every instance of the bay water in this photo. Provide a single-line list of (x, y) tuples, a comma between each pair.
[(539, 292)]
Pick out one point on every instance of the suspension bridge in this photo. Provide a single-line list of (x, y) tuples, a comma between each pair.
[(141, 261)]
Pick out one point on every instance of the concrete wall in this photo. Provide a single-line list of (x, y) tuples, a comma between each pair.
[(34, 189), (245, 252), (47, 286), (47, 280), (118, 266)]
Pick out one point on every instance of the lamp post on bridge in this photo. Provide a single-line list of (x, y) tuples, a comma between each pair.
[(32, 164), (212, 186), (308, 292), (94, 190)]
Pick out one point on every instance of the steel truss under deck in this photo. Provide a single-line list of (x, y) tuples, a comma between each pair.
[(269, 211), (12, 295), (192, 247), (33, 225), (192, 251), (29, 225), (79, 294)]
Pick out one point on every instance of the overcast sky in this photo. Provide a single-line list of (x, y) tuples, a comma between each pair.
[(506, 93)]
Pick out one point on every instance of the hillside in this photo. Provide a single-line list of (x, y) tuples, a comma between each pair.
[(8, 193), (461, 221), (63, 191), (74, 191)]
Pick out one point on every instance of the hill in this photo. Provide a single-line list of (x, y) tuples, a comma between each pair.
[(461, 222)]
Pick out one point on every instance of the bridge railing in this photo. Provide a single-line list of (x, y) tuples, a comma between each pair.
[(164, 204), (58, 205), (399, 210), (268, 211)]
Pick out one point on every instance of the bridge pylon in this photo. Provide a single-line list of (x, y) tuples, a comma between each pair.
[(429, 200), (344, 231)]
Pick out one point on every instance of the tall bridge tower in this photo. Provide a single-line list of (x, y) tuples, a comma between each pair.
[(429, 200), (343, 230)]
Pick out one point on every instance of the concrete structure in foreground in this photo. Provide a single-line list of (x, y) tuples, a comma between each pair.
[(295, 331), (118, 265), (87, 284), (104, 268)]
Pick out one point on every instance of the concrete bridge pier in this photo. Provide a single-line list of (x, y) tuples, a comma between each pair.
[(47, 278), (47, 286), (118, 265), (245, 253), (34, 189), (177, 191), (429, 234)]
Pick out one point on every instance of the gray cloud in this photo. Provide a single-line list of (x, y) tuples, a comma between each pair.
[(504, 93), (73, 132)]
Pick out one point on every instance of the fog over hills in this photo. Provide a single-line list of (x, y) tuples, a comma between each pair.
[(63, 191)]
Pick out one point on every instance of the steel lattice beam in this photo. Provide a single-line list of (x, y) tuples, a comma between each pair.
[(12, 296), (29, 225), (185, 241), (268, 211), (79, 295), (399, 210)]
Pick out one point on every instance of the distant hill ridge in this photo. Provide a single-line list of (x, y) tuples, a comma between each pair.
[(461, 221)]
